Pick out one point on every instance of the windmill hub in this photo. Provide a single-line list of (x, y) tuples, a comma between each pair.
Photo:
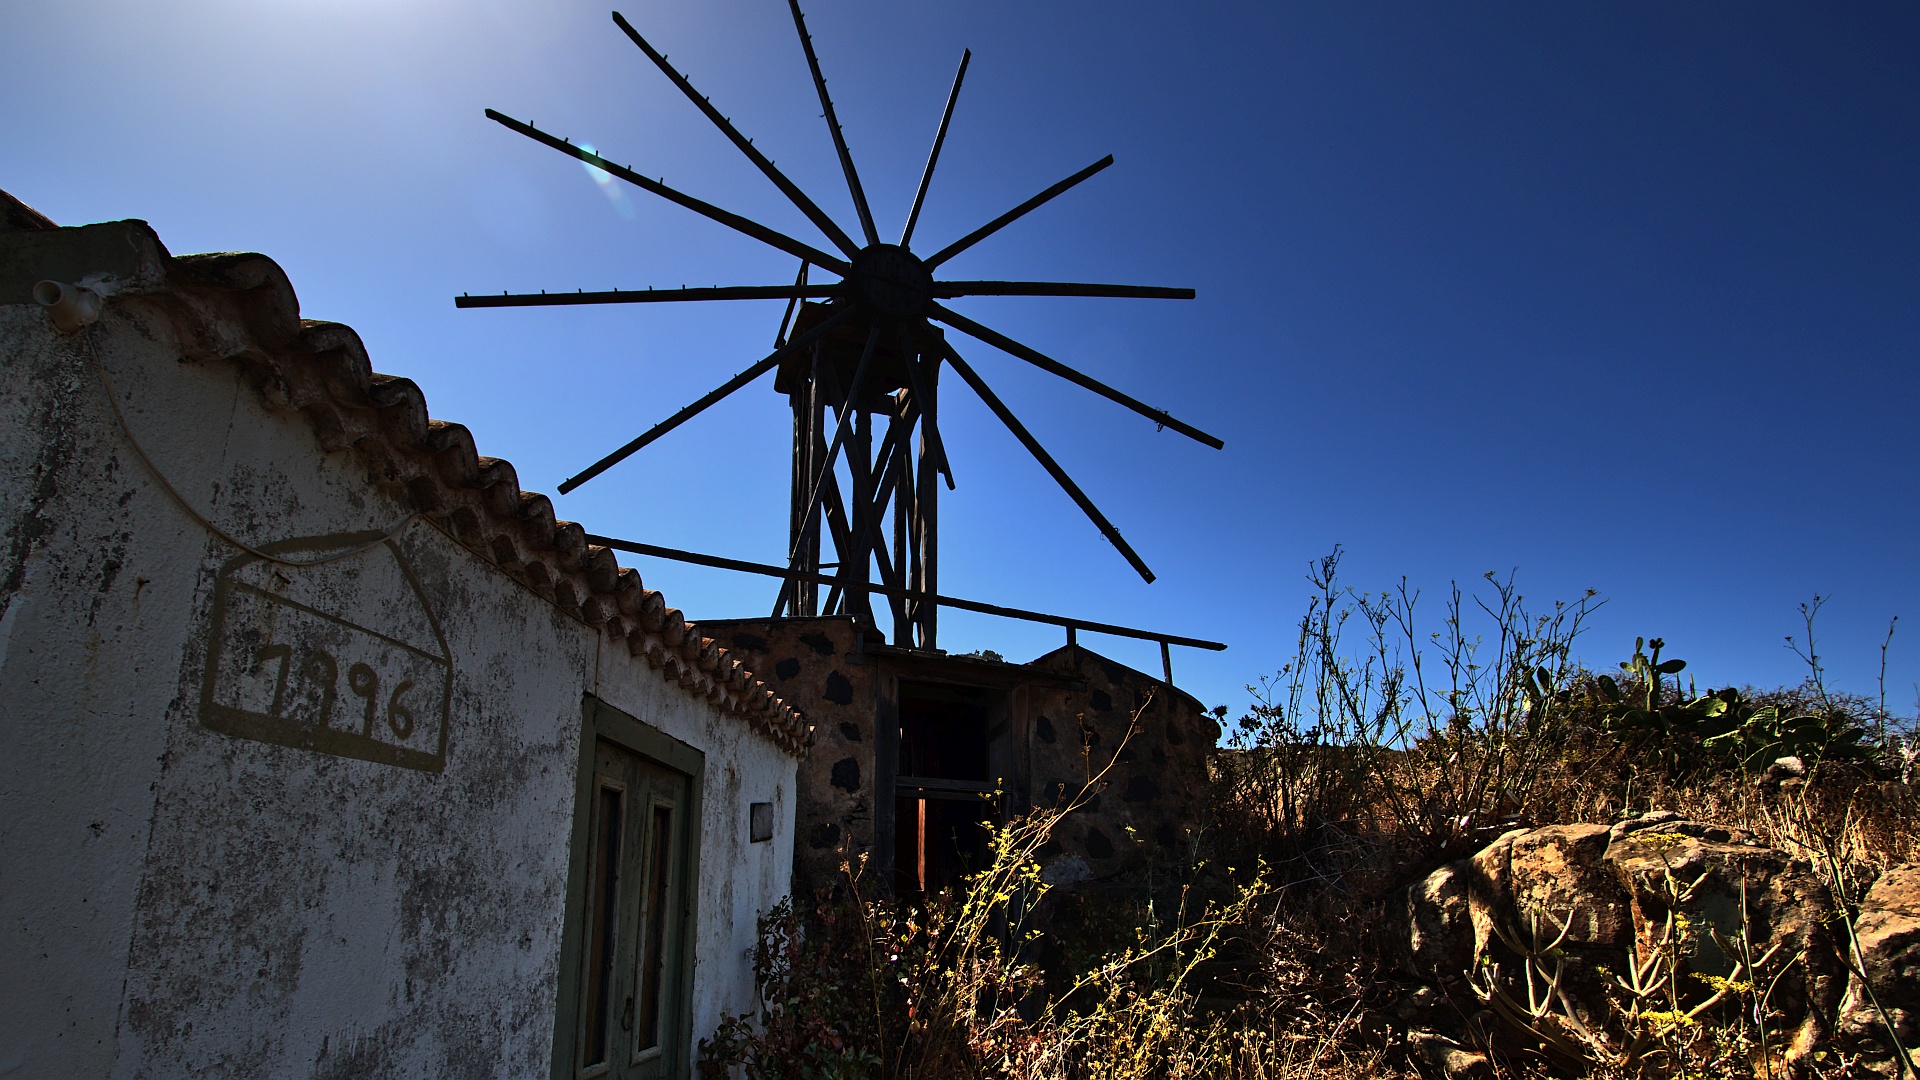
[(892, 281)]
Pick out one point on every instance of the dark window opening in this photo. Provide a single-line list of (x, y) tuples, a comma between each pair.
[(943, 731), (944, 802), (937, 843)]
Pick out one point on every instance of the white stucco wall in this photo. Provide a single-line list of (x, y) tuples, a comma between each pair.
[(175, 900)]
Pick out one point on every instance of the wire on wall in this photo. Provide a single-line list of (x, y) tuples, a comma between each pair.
[(126, 430)]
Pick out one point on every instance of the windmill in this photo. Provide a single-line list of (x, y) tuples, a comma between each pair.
[(860, 359)]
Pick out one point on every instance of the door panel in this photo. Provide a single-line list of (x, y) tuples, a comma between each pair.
[(637, 908), (598, 968), (652, 933)]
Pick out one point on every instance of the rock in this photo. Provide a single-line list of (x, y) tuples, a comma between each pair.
[(1888, 932), (1576, 906), (1787, 766), (1068, 869), (1726, 888), (1648, 820), (1540, 880), (1455, 1061), (1417, 1006), (1438, 924)]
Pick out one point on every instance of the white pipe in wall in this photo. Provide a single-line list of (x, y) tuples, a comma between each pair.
[(72, 306)]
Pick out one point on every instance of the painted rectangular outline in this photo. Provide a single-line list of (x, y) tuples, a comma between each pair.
[(602, 721), (338, 742)]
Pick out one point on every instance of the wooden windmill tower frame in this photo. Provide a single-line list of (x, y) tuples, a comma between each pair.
[(886, 520)]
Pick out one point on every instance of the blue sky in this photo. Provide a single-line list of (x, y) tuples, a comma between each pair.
[(1616, 296)]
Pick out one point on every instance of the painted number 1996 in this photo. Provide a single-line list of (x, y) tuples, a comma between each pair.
[(321, 669)]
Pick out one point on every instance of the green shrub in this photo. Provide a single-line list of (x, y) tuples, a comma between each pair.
[(1723, 728)]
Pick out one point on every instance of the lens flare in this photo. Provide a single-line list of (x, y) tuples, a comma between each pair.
[(604, 181)]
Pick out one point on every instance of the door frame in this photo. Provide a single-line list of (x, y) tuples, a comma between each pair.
[(602, 721)]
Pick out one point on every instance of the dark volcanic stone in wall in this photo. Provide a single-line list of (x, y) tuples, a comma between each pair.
[(839, 690), (1159, 772), (846, 774), (824, 834), (1099, 845), (819, 643), (850, 732), (787, 669), (1043, 730), (750, 643)]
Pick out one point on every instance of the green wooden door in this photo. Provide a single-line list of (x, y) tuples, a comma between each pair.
[(630, 994)]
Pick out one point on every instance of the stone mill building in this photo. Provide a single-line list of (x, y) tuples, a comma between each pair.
[(915, 751)]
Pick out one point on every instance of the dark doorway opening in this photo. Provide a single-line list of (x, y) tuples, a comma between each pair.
[(945, 791)]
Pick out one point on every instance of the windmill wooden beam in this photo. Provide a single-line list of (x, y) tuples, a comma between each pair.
[(1069, 623)]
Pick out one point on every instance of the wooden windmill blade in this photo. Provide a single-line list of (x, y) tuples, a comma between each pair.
[(1053, 468), (752, 228), (1015, 214), (944, 290), (933, 156), (656, 296), (863, 349), (787, 187), (712, 397), (833, 126), (1050, 365)]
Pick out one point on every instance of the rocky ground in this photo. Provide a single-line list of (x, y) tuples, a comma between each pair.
[(1596, 946)]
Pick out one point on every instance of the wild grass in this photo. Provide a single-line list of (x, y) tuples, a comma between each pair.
[(1384, 748)]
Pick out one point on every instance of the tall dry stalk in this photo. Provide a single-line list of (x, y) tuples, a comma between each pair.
[(1436, 732)]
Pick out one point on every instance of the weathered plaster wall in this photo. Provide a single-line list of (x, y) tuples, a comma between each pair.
[(739, 880), (98, 581), (182, 901)]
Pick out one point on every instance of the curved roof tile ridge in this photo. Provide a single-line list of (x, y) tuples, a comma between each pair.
[(241, 307)]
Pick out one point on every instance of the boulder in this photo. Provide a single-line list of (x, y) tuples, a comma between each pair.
[(1439, 924), (1555, 877), (1888, 934), (1454, 1061), (1555, 927), (1723, 899)]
